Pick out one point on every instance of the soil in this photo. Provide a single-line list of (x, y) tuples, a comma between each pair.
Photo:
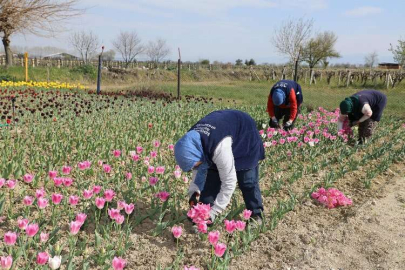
[(368, 235)]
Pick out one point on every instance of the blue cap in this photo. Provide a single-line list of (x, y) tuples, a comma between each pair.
[(278, 97), (188, 150)]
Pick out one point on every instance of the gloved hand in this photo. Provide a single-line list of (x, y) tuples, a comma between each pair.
[(288, 125), (193, 199), (273, 123), (353, 123), (213, 215)]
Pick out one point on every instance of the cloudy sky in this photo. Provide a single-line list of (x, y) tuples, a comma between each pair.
[(226, 30)]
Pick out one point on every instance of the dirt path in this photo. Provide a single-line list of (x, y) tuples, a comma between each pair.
[(369, 235)]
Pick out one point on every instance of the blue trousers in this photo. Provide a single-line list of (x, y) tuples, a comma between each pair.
[(248, 182)]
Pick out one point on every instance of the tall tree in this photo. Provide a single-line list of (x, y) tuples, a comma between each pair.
[(320, 48), (128, 44), (85, 43), (371, 59), (291, 36), (399, 52), (40, 17), (157, 50)]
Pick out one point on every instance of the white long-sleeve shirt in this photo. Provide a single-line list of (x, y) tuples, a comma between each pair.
[(225, 162), (366, 111)]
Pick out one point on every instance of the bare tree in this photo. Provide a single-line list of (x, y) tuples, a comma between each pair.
[(320, 48), (371, 59), (85, 44), (128, 44), (290, 37), (39, 17), (157, 50)]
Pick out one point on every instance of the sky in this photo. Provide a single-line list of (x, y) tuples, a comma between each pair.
[(226, 30)]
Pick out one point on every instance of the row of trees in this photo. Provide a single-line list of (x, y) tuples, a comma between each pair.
[(128, 44)]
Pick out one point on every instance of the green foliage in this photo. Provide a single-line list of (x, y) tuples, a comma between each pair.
[(87, 70), (399, 52), (204, 62), (239, 62)]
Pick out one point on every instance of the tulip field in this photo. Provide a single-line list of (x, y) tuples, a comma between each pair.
[(90, 181)]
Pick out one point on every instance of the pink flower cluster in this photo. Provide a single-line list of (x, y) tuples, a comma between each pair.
[(200, 215), (331, 198)]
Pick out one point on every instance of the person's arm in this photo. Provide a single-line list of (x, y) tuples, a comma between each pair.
[(270, 108), (193, 187), (340, 122), (367, 112), (293, 105), (225, 162)]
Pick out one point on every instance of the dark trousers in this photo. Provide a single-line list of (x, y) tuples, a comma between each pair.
[(366, 129), (248, 182), (284, 114)]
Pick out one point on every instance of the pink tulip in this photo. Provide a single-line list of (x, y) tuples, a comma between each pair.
[(10, 238), (230, 226), (202, 227), (153, 154), (32, 229), (52, 174), (121, 205), (191, 268), (107, 168), (2, 182), (75, 227), (42, 203), (96, 189), (73, 200), (113, 213), (39, 193), (117, 153), (57, 198), (156, 143), (213, 237), (11, 184), (22, 223), (67, 182), (66, 170), (81, 217), (171, 147), (163, 195), (109, 195), (119, 219), (219, 249), (246, 214), (118, 263), (151, 169), (28, 200), (28, 178), (6, 262), (57, 181), (129, 208), (128, 176), (42, 258), (100, 163), (153, 181), (135, 157), (44, 237), (143, 178), (87, 194), (139, 149), (177, 231), (100, 202), (177, 174), (240, 225), (185, 179), (160, 170)]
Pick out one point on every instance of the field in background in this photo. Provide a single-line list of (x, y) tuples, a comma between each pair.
[(217, 84)]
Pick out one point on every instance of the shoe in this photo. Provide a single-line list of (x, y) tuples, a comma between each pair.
[(256, 221)]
